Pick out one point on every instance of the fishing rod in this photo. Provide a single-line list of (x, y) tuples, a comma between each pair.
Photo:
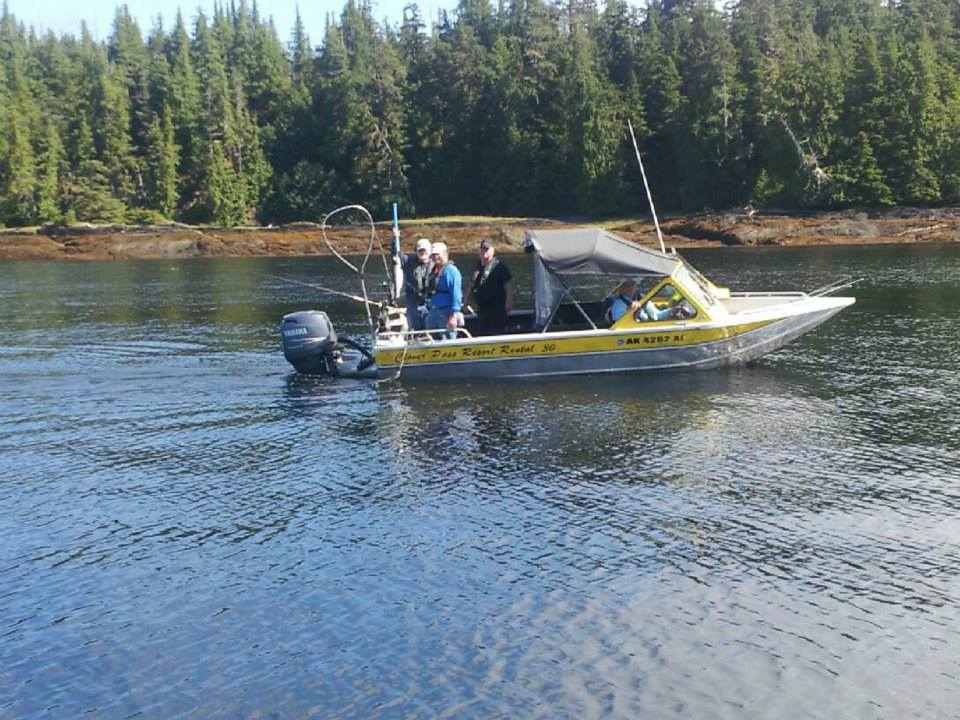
[(646, 186), (329, 290)]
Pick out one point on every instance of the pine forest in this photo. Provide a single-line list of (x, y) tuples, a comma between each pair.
[(515, 109)]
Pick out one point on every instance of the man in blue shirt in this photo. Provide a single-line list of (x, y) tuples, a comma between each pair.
[(625, 300), (447, 298)]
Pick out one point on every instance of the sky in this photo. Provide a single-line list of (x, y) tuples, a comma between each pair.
[(64, 16)]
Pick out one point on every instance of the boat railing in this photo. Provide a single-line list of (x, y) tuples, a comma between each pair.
[(835, 287), (431, 337), (789, 294)]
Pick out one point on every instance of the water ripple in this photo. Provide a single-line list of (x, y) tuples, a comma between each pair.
[(186, 528)]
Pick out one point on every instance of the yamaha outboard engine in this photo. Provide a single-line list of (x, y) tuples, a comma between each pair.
[(309, 342)]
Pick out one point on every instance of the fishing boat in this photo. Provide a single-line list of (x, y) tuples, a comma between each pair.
[(681, 320)]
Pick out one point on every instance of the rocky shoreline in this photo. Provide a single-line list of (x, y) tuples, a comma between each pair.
[(743, 228)]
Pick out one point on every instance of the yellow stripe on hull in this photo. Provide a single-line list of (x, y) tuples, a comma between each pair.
[(547, 345)]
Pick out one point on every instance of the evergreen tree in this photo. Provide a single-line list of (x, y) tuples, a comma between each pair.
[(49, 189), (592, 121), (163, 156), (534, 27), (267, 78), (661, 88), (361, 109), (111, 134), (708, 141), (128, 64), (18, 181), (506, 107), (914, 107), (18, 177), (859, 180), (500, 113), (301, 57), (224, 135), (184, 100)]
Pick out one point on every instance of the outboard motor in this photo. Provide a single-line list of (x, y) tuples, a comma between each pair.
[(309, 342)]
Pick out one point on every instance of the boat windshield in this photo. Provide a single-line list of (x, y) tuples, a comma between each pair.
[(699, 283), (668, 303)]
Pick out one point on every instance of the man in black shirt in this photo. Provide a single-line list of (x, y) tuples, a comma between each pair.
[(491, 291)]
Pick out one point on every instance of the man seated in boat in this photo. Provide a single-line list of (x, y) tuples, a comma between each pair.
[(668, 304), (623, 300), (675, 307)]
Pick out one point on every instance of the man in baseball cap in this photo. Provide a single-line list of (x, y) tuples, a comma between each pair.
[(447, 298), (491, 291), (416, 284)]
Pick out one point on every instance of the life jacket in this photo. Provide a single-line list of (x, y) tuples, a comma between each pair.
[(431, 280), (480, 282), (417, 280), (607, 306)]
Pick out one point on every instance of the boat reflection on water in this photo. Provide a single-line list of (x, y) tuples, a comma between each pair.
[(673, 427), (600, 421), (659, 464)]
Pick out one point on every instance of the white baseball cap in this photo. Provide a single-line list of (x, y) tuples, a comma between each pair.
[(423, 244), (438, 248)]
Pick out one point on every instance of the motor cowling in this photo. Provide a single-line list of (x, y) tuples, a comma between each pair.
[(309, 342)]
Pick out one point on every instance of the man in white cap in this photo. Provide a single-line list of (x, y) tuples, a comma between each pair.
[(447, 298), (416, 284)]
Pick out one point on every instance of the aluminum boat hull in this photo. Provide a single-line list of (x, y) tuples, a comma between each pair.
[(665, 346)]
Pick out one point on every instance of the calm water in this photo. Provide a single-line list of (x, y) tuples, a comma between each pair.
[(187, 529)]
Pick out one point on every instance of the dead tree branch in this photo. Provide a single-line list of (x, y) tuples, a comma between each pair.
[(809, 162)]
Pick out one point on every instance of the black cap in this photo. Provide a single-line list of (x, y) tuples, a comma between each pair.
[(485, 244)]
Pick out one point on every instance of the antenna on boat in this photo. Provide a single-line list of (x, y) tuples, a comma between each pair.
[(646, 186)]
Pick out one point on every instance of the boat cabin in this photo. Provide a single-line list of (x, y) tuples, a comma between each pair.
[(578, 272)]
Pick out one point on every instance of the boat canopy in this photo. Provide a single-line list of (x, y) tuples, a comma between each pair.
[(594, 251), (585, 251)]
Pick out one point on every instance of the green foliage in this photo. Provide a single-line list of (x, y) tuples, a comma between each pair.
[(765, 191), (145, 216), (163, 156), (511, 108), (49, 181), (858, 180), (90, 198)]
